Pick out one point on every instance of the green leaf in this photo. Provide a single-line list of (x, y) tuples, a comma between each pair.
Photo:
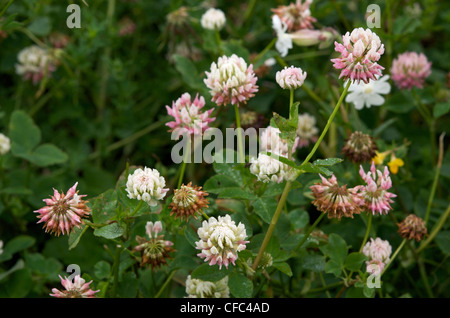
[(110, 231), (102, 269), (236, 193), (354, 261), (17, 244), (265, 208), (41, 26), (218, 183), (284, 268), (299, 218), (188, 71), (313, 262), (211, 273), (336, 249), (104, 208), (333, 267), (19, 265), (191, 236), (240, 286), (18, 284), (24, 133), (309, 167), (441, 109), (46, 155), (443, 241), (327, 162), (128, 286), (75, 236)]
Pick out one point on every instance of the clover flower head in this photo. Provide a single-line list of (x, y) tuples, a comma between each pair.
[(213, 19), (147, 185), (269, 169), (5, 144), (296, 16), (360, 51), (359, 147), (337, 201), (187, 201), (221, 240), (375, 195), (412, 227), (63, 212), (188, 117), (35, 63), (410, 69), (231, 81), (76, 289), (197, 288), (378, 250), (290, 77), (306, 130), (155, 250), (270, 140)]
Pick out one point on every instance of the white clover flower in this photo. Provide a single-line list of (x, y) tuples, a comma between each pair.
[(269, 169), (290, 77), (213, 19), (270, 141), (284, 40), (197, 288), (306, 129), (221, 240), (378, 250), (5, 144), (146, 185), (231, 81), (34, 63), (369, 94)]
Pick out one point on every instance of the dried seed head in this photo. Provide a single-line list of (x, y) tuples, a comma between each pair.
[(359, 147), (412, 227), (187, 201)]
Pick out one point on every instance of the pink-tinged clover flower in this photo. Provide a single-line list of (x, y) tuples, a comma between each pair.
[(221, 240), (290, 77), (231, 81), (35, 63), (63, 212), (378, 252), (376, 198), (360, 52), (188, 117), (410, 69), (296, 16), (337, 201), (78, 289)]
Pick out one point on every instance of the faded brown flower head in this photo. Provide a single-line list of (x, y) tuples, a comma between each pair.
[(154, 252), (187, 201), (412, 227), (334, 200), (359, 147)]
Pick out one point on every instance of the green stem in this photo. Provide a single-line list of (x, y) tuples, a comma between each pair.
[(137, 208), (238, 125), (6, 7), (366, 236), (264, 51), (183, 165), (169, 278), (394, 256), (436, 176), (435, 231), (116, 271), (330, 120), (423, 274), (311, 228), (272, 225)]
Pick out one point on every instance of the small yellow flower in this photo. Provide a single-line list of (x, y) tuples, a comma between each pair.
[(379, 157), (394, 164)]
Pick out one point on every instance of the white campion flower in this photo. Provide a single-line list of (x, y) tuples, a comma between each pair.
[(5, 144), (221, 240), (284, 40), (213, 19), (269, 169), (147, 185), (369, 94), (197, 288)]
